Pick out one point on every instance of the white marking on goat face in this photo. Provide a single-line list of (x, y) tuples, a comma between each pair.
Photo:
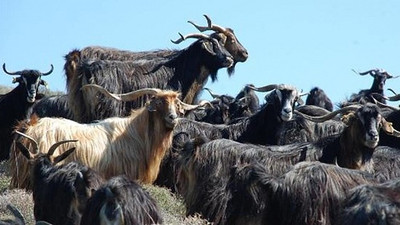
[(371, 126), (287, 100), (111, 214)]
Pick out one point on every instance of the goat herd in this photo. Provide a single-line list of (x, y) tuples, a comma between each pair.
[(132, 118)]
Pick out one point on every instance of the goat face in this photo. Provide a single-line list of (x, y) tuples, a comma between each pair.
[(30, 79), (286, 98), (166, 105), (220, 57), (370, 121), (232, 44)]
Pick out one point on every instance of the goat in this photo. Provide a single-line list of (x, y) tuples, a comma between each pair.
[(133, 145), (310, 193), (187, 71), (227, 109), (15, 105), (372, 204), (380, 76), (386, 163), (59, 193), (226, 36), (204, 180), (260, 128), (318, 97), (52, 106), (121, 201)]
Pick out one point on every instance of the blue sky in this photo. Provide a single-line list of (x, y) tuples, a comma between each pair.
[(304, 43)]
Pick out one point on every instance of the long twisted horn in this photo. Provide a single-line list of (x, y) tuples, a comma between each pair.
[(130, 96), (33, 141), (212, 93), (10, 73), (55, 146), (364, 73), (189, 107), (209, 26), (266, 88), (319, 119), (51, 70), (193, 35)]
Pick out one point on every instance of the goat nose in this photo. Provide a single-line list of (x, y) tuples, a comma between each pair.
[(287, 110), (172, 116)]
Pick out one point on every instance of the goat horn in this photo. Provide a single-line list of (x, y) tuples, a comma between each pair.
[(389, 129), (209, 26), (265, 88), (55, 146), (319, 119), (189, 107), (391, 90), (394, 98), (17, 214), (33, 141), (212, 93), (363, 73), (10, 73), (50, 71), (130, 96), (192, 35), (380, 104)]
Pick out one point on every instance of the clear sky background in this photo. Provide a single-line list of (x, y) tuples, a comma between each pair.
[(304, 43)]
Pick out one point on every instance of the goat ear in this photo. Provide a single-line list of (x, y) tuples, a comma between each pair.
[(63, 156), (389, 129), (25, 152), (208, 46)]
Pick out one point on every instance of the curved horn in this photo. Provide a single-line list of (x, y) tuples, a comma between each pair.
[(319, 119), (363, 73), (17, 214), (209, 26), (389, 129), (391, 90), (394, 98), (10, 73), (266, 88), (212, 93), (192, 35), (51, 70), (189, 107), (33, 141), (55, 146), (380, 104), (130, 96)]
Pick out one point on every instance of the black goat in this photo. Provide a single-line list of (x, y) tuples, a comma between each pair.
[(318, 97), (204, 176), (52, 106), (380, 76), (121, 201), (187, 71), (15, 105), (372, 204), (59, 193), (226, 109), (311, 193), (226, 36)]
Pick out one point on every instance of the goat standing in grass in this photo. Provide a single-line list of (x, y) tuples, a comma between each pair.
[(133, 146)]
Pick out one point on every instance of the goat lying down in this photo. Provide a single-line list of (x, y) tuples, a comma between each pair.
[(133, 146)]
